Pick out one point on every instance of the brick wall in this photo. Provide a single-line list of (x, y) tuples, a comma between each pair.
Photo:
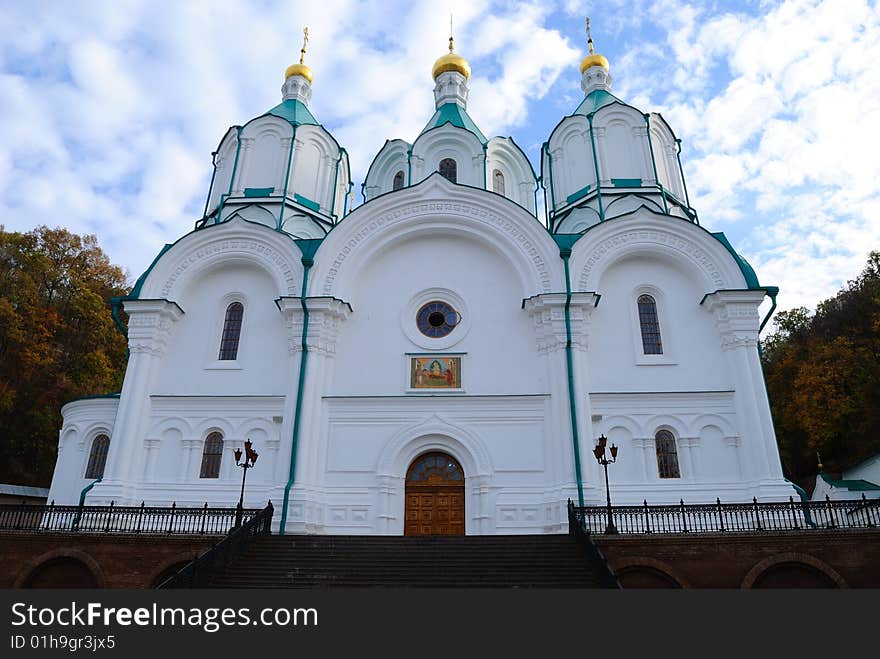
[(838, 558), (115, 561)]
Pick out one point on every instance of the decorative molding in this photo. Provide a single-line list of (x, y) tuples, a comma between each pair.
[(548, 314), (231, 247), (326, 316), (736, 316), (509, 227), (150, 324), (611, 247)]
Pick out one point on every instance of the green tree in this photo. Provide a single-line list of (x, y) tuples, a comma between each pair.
[(57, 341), (823, 378)]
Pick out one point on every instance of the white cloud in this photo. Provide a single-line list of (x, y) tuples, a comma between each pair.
[(111, 109)]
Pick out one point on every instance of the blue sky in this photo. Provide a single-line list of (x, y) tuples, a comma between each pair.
[(111, 108)]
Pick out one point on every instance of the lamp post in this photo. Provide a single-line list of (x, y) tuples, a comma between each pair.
[(599, 452), (250, 457)]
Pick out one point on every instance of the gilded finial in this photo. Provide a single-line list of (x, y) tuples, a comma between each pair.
[(301, 69), (589, 37), (593, 59), (450, 61), (819, 460), (302, 51), (451, 40)]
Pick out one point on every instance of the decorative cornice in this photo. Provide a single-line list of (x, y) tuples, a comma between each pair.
[(445, 209), (736, 316), (326, 315), (150, 324), (548, 314), (611, 247)]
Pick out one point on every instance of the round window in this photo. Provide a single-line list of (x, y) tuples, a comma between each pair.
[(437, 319)]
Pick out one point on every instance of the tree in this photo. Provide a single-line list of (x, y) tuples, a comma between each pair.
[(57, 341), (823, 378)]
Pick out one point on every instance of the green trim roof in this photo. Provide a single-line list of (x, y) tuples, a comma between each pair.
[(452, 113), (746, 269), (295, 112), (858, 485), (594, 100)]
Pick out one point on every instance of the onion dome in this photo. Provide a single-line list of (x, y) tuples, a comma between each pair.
[(301, 69), (593, 59), (451, 62)]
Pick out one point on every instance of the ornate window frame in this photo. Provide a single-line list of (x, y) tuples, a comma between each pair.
[(663, 318), (676, 442), (214, 363), (432, 344)]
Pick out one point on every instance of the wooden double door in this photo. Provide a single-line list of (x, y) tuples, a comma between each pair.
[(434, 496)]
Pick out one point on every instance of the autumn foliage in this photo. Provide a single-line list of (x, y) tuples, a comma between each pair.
[(823, 379), (57, 341)]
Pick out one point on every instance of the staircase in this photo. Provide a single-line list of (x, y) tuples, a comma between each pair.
[(314, 561)]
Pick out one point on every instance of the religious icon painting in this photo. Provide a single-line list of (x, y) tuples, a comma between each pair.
[(435, 372)]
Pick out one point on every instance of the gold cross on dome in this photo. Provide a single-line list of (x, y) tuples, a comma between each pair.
[(302, 51)]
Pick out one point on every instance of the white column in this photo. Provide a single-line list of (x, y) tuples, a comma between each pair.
[(191, 459), (326, 316), (732, 443), (152, 449), (648, 454), (548, 314), (150, 328), (737, 320)]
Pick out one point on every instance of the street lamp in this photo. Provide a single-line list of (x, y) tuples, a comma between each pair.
[(599, 452), (250, 457)]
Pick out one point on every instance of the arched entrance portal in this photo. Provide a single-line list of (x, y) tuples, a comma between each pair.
[(434, 496)]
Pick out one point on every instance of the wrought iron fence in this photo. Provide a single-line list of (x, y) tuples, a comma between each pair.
[(120, 519), (198, 572), (720, 517)]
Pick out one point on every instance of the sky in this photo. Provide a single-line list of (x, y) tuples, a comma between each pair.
[(110, 109)]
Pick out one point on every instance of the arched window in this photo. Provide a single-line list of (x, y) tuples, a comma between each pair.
[(650, 325), (449, 169), (212, 454), (98, 457), (498, 181), (398, 181), (231, 331), (667, 456)]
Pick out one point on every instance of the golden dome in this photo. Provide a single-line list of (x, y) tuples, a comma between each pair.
[(298, 70), (451, 62), (594, 60)]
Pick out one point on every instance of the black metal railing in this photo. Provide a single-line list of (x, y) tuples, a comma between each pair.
[(120, 519), (198, 572), (595, 558), (720, 517)]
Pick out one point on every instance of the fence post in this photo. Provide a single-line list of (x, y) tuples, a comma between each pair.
[(720, 513), (171, 517), (868, 516), (52, 512), (647, 517), (794, 521), (684, 528), (758, 526), (109, 512), (140, 516), (832, 522), (18, 516), (204, 516)]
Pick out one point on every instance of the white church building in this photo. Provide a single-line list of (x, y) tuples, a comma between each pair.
[(442, 358)]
